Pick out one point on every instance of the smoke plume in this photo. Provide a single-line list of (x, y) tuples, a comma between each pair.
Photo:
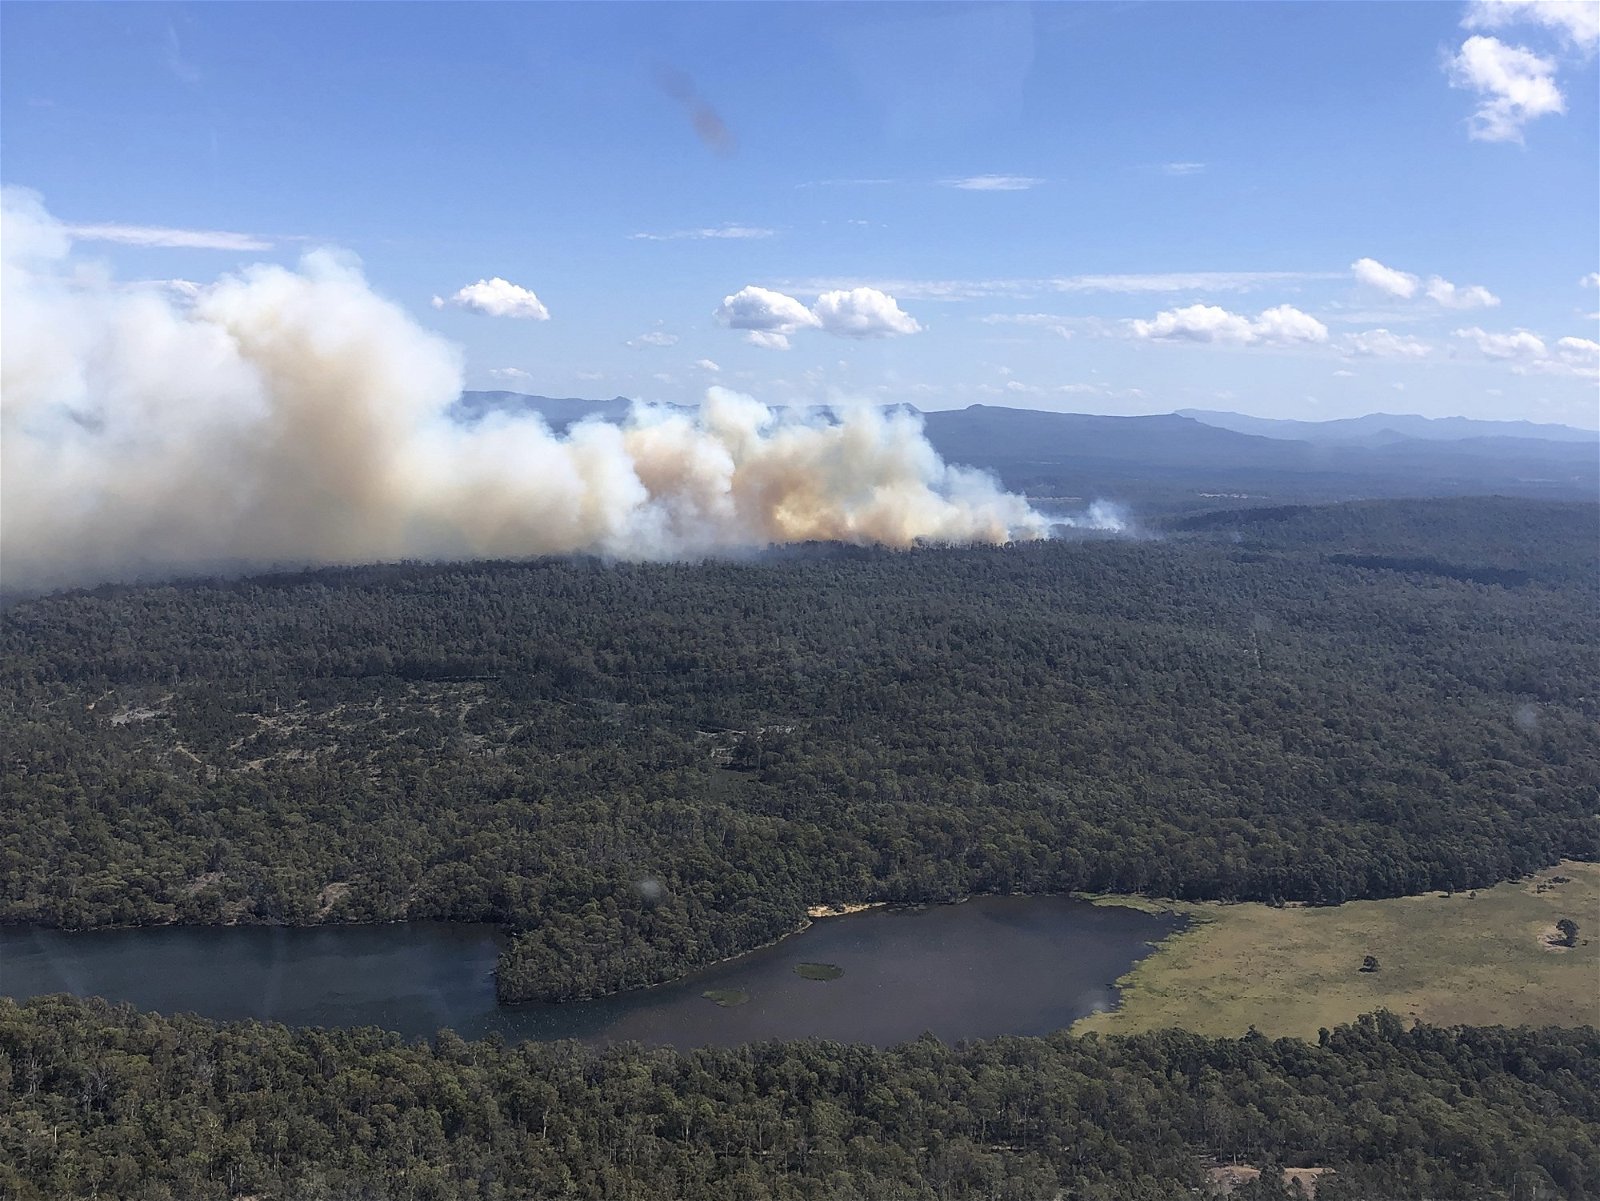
[(282, 417)]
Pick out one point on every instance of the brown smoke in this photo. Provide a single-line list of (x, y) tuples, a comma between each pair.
[(283, 417)]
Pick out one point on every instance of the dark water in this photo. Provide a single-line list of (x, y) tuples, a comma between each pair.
[(994, 965)]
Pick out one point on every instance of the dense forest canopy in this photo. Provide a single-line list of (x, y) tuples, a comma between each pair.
[(1292, 704), (98, 1102)]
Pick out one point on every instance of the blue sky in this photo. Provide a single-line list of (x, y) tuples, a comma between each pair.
[(1105, 207)]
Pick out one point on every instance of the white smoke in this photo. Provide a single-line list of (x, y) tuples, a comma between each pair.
[(286, 417)]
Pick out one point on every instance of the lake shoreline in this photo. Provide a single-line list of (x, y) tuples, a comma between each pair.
[(982, 967)]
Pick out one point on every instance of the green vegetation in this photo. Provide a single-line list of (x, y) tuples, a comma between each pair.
[(642, 769), (726, 997), (1481, 958), (819, 971), (103, 1102)]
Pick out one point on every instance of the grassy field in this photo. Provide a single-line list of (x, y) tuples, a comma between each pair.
[(1480, 959)]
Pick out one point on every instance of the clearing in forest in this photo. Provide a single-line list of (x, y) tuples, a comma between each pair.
[(1464, 958)]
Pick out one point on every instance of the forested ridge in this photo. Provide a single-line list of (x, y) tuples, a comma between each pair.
[(101, 1101), (1229, 711)]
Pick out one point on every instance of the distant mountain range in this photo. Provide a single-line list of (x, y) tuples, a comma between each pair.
[(1198, 459), (1381, 427)]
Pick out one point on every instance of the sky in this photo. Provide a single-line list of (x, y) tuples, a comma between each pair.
[(1291, 210)]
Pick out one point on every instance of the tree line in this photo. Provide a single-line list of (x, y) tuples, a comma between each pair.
[(101, 1101), (642, 768)]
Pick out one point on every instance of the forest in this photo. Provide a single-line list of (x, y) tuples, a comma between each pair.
[(640, 768), (98, 1101)]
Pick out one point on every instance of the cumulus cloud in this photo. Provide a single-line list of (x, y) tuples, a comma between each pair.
[(516, 374), (1528, 354), (1403, 285), (1282, 325), (1466, 296), (155, 235), (1514, 86), (1386, 279), (707, 365), (994, 183), (1579, 353), (496, 298), (863, 313), (655, 337), (764, 310), (1518, 344), (770, 317), (1576, 21), (295, 417), (1381, 343), (1592, 280)]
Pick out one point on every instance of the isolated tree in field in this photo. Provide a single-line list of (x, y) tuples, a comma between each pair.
[(1569, 932)]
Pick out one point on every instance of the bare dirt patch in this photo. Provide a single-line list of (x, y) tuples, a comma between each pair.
[(1224, 1178), (202, 882), (329, 897), (1306, 1178), (1551, 939), (842, 909)]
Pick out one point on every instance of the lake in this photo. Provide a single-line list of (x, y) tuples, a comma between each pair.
[(989, 966)]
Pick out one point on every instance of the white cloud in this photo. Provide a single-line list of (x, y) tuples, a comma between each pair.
[(1183, 168), (993, 183), (1343, 374), (863, 313), (1579, 350), (1578, 358), (1155, 282), (1386, 279), (153, 235), (706, 365), (737, 232), (1592, 280), (1577, 21), (511, 373), (1380, 343), (1281, 325), (1514, 86), (1285, 323), (1196, 323), (183, 291), (496, 298), (770, 317), (654, 338), (1403, 285), (1466, 296), (764, 310), (1519, 344)]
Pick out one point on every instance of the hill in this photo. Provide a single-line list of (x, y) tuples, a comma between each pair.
[(1177, 462), (1379, 427)]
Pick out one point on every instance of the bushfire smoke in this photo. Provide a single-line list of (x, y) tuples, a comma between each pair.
[(287, 417)]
